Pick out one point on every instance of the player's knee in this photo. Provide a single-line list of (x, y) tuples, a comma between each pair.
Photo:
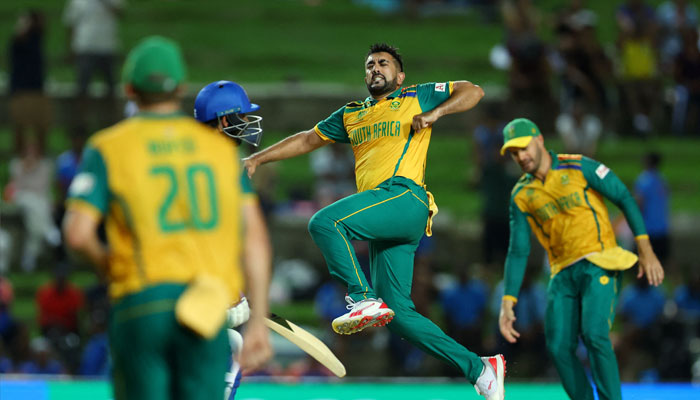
[(559, 349), (320, 224), (596, 338)]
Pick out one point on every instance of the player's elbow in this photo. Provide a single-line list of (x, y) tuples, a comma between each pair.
[(74, 239), (75, 236), (478, 92)]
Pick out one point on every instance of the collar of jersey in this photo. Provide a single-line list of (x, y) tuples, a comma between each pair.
[(154, 115), (372, 101)]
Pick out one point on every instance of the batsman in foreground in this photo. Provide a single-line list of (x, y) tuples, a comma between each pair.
[(389, 133), (561, 198), (164, 184)]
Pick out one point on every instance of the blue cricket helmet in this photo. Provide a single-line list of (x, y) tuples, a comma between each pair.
[(226, 99)]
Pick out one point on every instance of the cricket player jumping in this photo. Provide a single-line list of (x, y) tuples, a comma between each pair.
[(389, 133)]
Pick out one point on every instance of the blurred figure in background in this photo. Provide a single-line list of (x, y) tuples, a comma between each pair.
[(31, 180), (579, 129), (494, 177), (8, 323), (686, 74), (334, 169), (674, 16), (528, 81), (30, 108), (586, 70), (464, 305), (652, 194), (59, 304), (59, 301), (43, 361), (640, 310), (637, 30), (94, 42)]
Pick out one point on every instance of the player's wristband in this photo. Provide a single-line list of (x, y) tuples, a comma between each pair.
[(640, 237), (511, 298)]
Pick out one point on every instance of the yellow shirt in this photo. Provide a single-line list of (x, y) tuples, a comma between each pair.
[(380, 133), (569, 217), (168, 188)]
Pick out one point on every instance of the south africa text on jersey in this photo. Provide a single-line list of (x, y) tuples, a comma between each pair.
[(375, 131)]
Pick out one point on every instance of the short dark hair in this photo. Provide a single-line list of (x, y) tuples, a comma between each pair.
[(385, 48), (149, 98)]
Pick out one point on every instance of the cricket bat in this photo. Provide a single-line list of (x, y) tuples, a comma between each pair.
[(307, 342)]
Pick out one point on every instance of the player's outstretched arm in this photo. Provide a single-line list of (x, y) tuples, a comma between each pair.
[(649, 264), (292, 146), (465, 95)]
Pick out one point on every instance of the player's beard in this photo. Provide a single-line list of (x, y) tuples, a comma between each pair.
[(387, 87)]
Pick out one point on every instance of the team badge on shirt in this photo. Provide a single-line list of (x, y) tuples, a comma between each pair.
[(395, 105), (440, 87), (565, 179)]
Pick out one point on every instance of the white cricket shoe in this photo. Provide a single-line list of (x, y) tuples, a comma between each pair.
[(490, 383), (364, 313)]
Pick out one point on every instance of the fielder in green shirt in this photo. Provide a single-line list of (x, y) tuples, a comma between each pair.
[(560, 198)]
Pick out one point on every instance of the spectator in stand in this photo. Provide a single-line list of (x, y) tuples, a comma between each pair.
[(18, 350), (30, 108), (637, 28), (674, 17), (59, 302), (652, 195), (686, 73), (95, 359), (42, 361), (529, 74), (641, 309), (585, 69), (687, 295), (579, 130), (94, 43), (464, 306), (31, 177), (8, 324), (334, 169), (495, 177), (68, 161)]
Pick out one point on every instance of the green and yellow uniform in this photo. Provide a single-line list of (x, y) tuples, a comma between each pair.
[(168, 189), (568, 215), (391, 211)]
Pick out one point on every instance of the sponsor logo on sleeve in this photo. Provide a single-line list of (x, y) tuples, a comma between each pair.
[(82, 184), (602, 171), (440, 87)]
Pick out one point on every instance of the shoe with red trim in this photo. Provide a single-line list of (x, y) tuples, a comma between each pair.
[(491, 382), (362, 314)]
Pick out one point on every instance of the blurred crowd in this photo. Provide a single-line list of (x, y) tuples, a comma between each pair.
[(646, 82)]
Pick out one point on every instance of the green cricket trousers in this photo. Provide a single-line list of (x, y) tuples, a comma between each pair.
[(392, 217), (581, 301), (156, 358)]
